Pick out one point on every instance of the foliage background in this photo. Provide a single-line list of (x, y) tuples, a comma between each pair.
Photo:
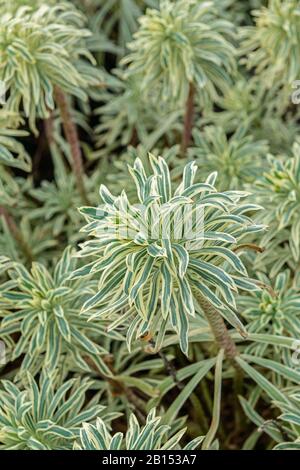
[(116, 343)]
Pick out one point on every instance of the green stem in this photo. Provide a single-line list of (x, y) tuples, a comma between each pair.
[(200, 413), (71, 134), (238, 390), (217, 403), (206, 394)]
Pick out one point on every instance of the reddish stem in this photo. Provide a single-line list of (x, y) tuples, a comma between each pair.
[(16, 233), (71, 133), (188, 119)]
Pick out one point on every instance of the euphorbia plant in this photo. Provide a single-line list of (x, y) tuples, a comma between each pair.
[(275, 309), (12, 154), (165, 275), (182, 49), (171, 292), (31, 416), (238, 159), (43, 306), (278, 189), (152, 436), (271, 47), (41, 54)]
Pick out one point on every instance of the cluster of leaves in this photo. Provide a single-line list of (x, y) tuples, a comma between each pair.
[(122, 332), (44, 416), (152, 436)]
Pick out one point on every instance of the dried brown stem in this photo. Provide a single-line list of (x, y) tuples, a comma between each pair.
[(249, 246)]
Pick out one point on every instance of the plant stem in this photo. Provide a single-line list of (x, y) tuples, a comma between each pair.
[(206, 394), (218, 328), (200, 413), (170, 369), (188, 120), (48, 129), (217, 403), (238, 390), (249, 246), (71, 134), (119, 388), (225, 342), (16, 233)]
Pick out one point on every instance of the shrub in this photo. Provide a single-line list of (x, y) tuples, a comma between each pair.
[(149, 225)]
